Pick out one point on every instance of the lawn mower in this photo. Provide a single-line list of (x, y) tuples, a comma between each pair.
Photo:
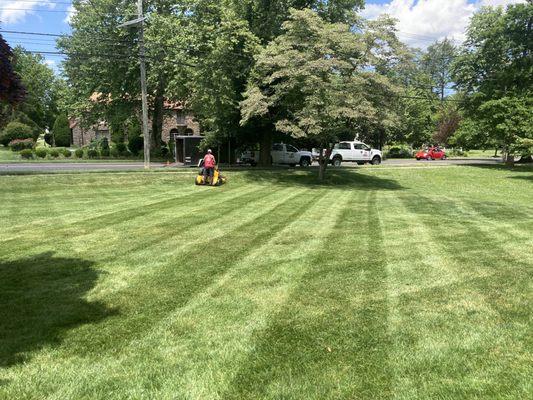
[(218, 179)]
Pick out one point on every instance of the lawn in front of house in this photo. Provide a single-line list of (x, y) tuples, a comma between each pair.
[(410, 283)]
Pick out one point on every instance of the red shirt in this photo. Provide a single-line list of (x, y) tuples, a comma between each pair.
[(209, 161)]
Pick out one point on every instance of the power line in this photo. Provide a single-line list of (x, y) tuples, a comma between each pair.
[(68, 3), (33, 10)]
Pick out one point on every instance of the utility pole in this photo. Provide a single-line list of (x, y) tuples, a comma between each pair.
[(144, 95), (144, 91)]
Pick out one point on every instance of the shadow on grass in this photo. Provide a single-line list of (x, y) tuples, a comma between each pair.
[(339, 178), (524, 178), (42, 297), (503, 167)]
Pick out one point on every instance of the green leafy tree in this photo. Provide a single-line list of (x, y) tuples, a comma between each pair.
[(15, 130), (437, 63), (42, 86), (313, 82), (495, 71), (61, 131)]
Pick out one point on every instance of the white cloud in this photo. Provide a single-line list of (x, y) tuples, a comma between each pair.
[(50, 63), (70, 13), (420, 22), (13, 11)]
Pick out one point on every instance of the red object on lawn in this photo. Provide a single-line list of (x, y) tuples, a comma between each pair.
[(433, 153)]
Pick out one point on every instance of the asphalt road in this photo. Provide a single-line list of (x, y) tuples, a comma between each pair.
[(135, 166)]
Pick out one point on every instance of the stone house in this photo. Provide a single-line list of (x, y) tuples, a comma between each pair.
[(176, 121)]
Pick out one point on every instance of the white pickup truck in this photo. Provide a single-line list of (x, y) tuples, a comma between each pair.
[(280, 154), (354, 152), (287, 154)]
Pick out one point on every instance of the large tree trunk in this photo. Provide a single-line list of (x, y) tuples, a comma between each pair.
[(323, 161), (265, 159), (508, 157)]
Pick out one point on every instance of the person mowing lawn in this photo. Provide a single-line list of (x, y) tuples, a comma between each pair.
[(209, 166)]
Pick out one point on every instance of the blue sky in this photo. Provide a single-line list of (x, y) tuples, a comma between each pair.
[(420, 22)]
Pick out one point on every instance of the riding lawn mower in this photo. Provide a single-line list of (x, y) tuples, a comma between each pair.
[(217, 180)]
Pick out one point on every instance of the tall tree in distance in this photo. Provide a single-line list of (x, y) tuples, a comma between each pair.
[(437, 62)]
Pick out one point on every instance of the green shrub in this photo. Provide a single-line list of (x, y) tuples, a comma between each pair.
[(54, 153), (457, 153), (122, 149), (66, 153), (26, 154), (104, 147), (41, 152), (399, 151), (92, 153), (113, 152), (78, 153), (165, 152), (23, 118), (15, 130), (61, 131), (21, 144), (136, 144)]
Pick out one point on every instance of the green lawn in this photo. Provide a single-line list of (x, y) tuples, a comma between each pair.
[(411, 283), (8, 155)]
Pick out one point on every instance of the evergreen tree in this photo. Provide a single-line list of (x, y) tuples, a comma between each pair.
[(61, 131)]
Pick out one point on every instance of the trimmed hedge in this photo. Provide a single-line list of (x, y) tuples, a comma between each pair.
[(78, 153), (26, 154), (399, 151), (41, 152), (54, 153)]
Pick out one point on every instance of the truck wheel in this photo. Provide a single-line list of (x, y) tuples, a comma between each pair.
[(337, 161), (304, 162), (376, 160)]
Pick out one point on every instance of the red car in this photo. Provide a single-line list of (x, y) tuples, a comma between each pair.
[(433, 153)]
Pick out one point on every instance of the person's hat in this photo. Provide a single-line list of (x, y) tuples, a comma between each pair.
[(209, 151)]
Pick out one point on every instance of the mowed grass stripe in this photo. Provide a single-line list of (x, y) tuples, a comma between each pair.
[(198, 232), (240, 303), (84, 194), (172, 289), (330, 339), (493, 290), (76, 208), (84, 234), (430, 350)]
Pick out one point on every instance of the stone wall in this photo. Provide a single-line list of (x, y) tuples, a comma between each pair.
[(83, 136), (170, 123)]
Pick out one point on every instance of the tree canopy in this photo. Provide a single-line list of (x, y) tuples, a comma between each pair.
[(495, 72), (12, 90), (313, 81)]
